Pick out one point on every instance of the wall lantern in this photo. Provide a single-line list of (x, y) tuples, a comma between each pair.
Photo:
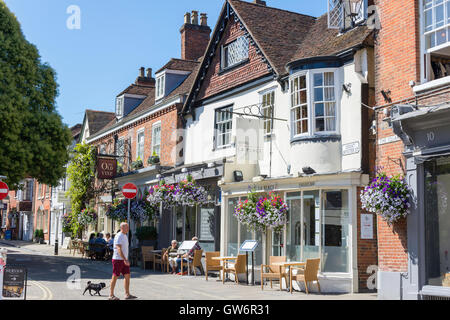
[(238, 176)]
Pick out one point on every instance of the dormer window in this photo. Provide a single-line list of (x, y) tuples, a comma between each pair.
[(160, 86), (235, 52), (119, 107)]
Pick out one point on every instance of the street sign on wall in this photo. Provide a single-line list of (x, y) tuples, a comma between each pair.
[(129, 191), (3, 190)]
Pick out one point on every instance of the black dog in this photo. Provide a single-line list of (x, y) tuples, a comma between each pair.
[(95, 287)]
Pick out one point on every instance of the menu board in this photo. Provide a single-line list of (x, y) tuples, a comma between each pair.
[(207, 224), (14, 282)]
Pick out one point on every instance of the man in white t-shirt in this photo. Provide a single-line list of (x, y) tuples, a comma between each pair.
[(120, 262)]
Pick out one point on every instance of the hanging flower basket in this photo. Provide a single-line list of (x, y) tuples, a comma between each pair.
[(184, 193), (87, 216), (388, 197), (67, 223), (140, 210), (262, 213)]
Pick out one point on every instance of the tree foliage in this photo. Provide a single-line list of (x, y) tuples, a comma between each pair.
[(33, 140), (81, 176)]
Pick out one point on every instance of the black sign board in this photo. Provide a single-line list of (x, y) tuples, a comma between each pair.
[(14, 282)]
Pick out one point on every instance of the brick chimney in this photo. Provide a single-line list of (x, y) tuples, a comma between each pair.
[(194, 36), (260, 2), (145, 79)]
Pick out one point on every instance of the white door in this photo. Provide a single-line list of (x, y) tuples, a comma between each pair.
[(28, 227)]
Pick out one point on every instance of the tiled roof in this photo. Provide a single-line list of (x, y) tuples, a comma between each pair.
[(138, 90), (97, 120), (179, 64), (278, 32), (149, 102), (76, 129), (322, 41)]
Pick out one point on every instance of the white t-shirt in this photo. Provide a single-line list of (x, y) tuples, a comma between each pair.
[(121, 239)]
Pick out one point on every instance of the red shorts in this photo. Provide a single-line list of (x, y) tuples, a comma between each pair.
[(119, 268)]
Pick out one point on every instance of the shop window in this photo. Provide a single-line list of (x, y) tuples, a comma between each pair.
[(311, 223), (335, 233), (437, 222), (232, 228), (293, 228)]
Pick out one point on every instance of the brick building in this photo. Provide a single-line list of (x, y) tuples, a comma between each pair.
[(146, 124), (412, 90)]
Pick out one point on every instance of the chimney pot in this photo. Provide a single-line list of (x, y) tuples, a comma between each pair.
[(203, 19), (187, 18), (149, 72), (260, 2), (142, 72), (194, 17)]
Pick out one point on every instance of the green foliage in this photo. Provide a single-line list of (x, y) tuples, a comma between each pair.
[(81, 175), (39, 233), (33, 140), (146, 233)]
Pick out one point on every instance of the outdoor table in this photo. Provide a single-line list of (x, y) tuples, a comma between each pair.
[(225, 262), (288, 265)]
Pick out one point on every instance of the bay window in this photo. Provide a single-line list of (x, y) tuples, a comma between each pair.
[(436, 38), (314, 103)]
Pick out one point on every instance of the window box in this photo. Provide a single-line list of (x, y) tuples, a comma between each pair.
[(154, 159), (136, 165)]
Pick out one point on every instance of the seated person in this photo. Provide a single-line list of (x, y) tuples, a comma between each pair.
[(109, 241), (92, 238), (189, 255), (172, 259), (100, 249)]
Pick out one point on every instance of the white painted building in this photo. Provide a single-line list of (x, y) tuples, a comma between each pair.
[(313, 153)]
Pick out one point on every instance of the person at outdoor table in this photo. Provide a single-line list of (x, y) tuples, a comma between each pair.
[(99, 250), (172, 260), (109, 241), (189, 255), (92, 238)]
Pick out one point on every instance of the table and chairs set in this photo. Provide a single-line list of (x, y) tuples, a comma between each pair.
[(96, 251), (277, 269)]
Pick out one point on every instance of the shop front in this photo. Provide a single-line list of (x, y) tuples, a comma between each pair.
[(426, 135), (322, 223), (203, 221)]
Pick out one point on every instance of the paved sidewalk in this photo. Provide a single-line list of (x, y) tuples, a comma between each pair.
[(49, 280)]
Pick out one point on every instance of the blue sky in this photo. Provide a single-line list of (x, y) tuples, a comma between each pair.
[(116, 38)]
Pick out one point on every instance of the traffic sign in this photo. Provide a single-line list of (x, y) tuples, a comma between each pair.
[(3, 190), (129, 191)]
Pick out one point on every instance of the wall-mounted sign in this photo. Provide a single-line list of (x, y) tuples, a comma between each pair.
[(388, 140), (106, 168), (350, 148), (367, 226)]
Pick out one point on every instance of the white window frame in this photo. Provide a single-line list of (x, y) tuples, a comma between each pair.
[(138, 145), (217, 133), (118, 151), (155, 126), (223, 56), (425, 61), (160, 86), (267, 122), (119, 106), (311, 104)]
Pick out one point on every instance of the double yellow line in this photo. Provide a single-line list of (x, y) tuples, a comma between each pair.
[(47, 293)]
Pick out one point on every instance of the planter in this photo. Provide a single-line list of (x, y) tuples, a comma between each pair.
[(137, 165), (153, 160)]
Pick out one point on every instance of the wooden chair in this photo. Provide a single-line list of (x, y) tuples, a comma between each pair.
[(147, 255), (196, 262), (307, 274), (210, 264), (239, 267), (159, 258), (273, 272)]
